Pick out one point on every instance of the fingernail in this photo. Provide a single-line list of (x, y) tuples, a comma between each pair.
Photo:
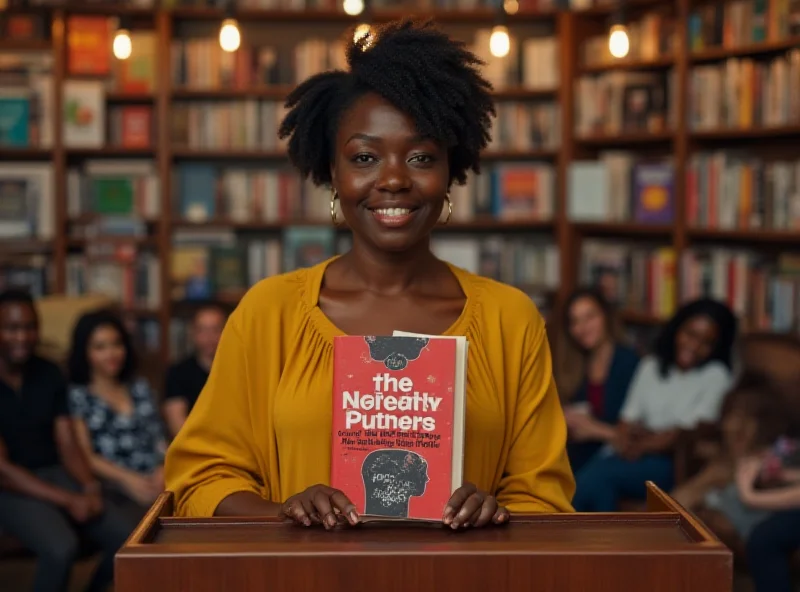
[(353, 517), (306, 521), (330, 520)]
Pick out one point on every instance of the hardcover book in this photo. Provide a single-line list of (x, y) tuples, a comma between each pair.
[(398, 423)]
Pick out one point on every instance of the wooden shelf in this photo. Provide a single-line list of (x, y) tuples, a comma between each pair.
[(24, 246), (479, 16), (636, 317), (143, 241), (25, 45), (11, 153), (279, 93), (110, 152), (611, 7), (624, 229), (477, 225), (743, 133), (754, 50), (228, 154), (519, 155), (129, 97), (629, 65), (627, 139), (776, 236), (523, 94)]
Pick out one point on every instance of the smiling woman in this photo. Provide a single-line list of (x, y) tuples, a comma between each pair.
[(389, 137)]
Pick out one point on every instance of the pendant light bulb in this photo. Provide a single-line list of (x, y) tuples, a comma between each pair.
[(618, 42), (229, 36), (122, 44), (353, 7), (499, 42)]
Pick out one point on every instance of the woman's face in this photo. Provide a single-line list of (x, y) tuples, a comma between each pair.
[(391, 182), (106, 352), (587, 323), (694, 341)]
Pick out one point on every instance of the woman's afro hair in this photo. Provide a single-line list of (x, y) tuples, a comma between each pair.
[(434, 79)]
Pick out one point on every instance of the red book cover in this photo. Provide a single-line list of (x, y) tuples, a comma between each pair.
[(397, 435)]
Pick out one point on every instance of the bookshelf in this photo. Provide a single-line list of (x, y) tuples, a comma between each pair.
[(678, 138)]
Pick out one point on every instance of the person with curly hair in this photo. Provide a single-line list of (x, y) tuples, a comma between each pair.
[(389, 137)]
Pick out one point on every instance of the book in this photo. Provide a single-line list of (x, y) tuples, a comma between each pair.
[(397, 441)]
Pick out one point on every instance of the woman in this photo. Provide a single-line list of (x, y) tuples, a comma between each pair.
[(680, 385), (604, 367), (114, 413), (390, 136)]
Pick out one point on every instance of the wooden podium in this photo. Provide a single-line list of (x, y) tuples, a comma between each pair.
[(661, 550)]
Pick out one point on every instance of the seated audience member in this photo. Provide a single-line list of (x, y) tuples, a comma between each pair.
[(48, 495), (114, 412), (187, 378), (775, 538), (680, 385), (604, 368), (753, 416)]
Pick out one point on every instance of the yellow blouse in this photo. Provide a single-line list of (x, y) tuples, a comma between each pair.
[(263, 421)]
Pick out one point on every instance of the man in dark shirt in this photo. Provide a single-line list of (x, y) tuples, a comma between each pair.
[(187, 378), (48, 495)]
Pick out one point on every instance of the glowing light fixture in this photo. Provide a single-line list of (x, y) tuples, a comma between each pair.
[(499, 42), (353, 7), (229, 36), (618, 42)]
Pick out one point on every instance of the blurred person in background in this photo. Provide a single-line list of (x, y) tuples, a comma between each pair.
[(769, 482), (49, 498), (681, 384), (597, 371), (114, 412), (186, 378)]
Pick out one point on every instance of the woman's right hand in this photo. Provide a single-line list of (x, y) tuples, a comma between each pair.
[(319, 504)]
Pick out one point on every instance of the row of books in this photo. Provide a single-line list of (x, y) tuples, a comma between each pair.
[(738, 23), (730, 190), (634, 277), (764, 293), (114, 191), (620, 187), (206, 192), (243, 125), (130, 276), (26, 100), (743, 93), (624, 102)]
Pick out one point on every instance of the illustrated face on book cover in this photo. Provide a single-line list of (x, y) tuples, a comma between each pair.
[(393, 355), (391, 478)]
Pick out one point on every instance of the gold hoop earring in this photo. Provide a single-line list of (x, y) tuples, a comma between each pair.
[(334, 197), (449, 210)]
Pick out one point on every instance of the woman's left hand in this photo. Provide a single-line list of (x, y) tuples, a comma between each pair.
[(469, 506)]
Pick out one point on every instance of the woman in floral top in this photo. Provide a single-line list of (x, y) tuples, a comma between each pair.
[(114, 411)]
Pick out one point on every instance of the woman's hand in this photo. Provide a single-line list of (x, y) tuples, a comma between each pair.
[(140, 489), (469, 506), (319, 504), (157, 480)]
